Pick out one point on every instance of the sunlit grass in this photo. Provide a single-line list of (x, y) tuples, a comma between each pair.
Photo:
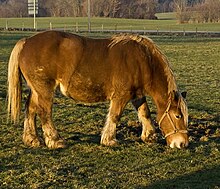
[(97, 23)]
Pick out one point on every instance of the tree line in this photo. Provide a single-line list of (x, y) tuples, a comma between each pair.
[(186, 10), (198, 11)]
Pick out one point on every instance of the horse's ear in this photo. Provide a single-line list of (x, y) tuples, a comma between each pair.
[(175, 95), (184, 94)]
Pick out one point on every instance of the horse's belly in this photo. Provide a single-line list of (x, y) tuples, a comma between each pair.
[(85, 90)]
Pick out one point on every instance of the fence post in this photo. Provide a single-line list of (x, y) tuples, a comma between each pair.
[(22, 26), (77, 27), (6, 25), (51, 27), (36, 26)]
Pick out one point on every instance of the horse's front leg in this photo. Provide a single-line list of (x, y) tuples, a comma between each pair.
[(108, 137), (148, 131)]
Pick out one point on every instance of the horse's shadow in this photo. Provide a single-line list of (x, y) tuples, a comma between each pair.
[(200, 131), (206, 178), (78, 137)]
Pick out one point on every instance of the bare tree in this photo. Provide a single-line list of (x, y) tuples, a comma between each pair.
[(53, 7), (114, 7), (151, 8), (181, 9), (107, 8), (78, 7), (207, 11), (13, 8), (165, 6), (213, 10)]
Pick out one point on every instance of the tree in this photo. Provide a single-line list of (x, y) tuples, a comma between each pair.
[(144, 9), (213, 10), (114, 7), (206, 11), (13, 8), (165, 6), (181, 10)]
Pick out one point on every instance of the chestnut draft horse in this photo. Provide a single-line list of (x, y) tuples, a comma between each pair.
[(120, 69)]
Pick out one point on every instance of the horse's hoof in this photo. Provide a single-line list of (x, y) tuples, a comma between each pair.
[(149, 138), (112, 143), (55, 144), (32, 141)]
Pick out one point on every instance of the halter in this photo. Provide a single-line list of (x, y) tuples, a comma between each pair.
[(175, 130)]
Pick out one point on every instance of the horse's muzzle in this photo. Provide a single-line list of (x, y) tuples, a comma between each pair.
[(178, 140)]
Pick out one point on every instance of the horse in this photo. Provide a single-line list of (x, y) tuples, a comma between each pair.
[(120, 69)]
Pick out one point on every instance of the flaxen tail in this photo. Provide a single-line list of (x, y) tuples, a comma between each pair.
[(14, 83)]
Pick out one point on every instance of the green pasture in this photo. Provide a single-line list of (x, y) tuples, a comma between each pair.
[(166, 23), (133, 164)]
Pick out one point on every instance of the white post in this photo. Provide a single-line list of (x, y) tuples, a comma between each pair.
[(34, 14), (51, 26), (77, 27), (89, 21), (6, 25)]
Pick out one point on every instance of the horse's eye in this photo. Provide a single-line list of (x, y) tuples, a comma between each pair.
[(178, 116)]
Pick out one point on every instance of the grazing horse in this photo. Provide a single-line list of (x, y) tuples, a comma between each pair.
[(120, 69)]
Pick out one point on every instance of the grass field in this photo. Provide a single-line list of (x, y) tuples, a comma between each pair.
[(166, 23), (133, 164)]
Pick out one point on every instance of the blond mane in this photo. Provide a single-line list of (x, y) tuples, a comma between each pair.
[(149, 44)]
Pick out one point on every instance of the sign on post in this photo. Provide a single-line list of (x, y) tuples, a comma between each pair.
[(33, 9)]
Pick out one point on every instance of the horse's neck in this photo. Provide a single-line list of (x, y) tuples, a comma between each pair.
[(162, 85), (163, 81), (160, 95)]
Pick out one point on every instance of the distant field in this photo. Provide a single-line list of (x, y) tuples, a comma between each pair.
[(166, 23), (166, 16), (133, 165)]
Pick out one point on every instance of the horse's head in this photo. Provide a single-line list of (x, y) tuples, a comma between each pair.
[(173, 121)]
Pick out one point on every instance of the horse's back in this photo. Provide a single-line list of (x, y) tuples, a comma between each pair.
[(86, 69)]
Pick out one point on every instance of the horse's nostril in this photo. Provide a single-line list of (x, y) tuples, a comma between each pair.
[(179, 143), (182, 145)]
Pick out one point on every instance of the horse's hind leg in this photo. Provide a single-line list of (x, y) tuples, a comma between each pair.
[(44, 110), (30, 136), (144, 116), (40, 102)]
